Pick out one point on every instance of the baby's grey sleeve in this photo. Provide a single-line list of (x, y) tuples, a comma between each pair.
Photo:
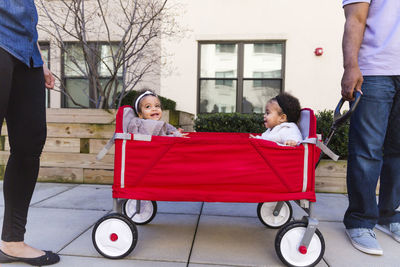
[(171, 130)]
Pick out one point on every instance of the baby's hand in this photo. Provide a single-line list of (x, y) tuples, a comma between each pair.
[(290, 143), (252, 136), (180, 130), (185, 135), (180, 134)]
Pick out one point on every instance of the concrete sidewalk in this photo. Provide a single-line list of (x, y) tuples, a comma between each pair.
[(192, 234)]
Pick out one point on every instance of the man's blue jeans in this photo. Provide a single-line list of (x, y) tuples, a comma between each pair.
[(374, 150)]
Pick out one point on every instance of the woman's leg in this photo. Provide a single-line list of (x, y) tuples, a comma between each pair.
[(6, 71), (26, 124)]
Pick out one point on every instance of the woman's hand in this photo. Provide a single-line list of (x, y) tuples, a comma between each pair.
[(48, 77)]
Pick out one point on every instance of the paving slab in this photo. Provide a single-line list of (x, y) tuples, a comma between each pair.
[(238, 241), (167, 238), (229, 234), (72, 261), (340, 252), (230, 209), (42, 191), (328, 207), (52, 229), (179, 207), (47, 190), (234, 241), (14, 264), (210, 265), (83, 197)]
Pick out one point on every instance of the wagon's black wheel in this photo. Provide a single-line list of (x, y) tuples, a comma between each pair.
[(114, 236), (265, 212), (148, 210), (289, 251)]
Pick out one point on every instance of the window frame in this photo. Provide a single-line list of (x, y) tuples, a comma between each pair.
[(46, 45), (240, 68), (93, 44)]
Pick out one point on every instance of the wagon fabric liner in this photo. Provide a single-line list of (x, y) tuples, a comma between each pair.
[(213, 167)]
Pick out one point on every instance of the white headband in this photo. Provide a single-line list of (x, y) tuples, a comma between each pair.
[(140, 98)]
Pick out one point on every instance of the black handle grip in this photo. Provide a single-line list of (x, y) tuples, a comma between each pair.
[(338, 118)]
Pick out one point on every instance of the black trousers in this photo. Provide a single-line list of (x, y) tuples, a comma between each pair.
[(22, 104)]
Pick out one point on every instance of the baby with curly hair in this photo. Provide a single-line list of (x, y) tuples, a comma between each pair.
[(281, 116), (148, 111)]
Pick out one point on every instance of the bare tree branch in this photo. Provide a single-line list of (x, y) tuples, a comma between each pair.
[(118, 42)]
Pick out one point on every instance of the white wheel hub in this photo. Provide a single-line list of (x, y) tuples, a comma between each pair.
[(146, 210), (267, 214), (290, 247), (113, 237)]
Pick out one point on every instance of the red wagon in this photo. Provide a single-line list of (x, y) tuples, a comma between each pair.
[(214, 167)]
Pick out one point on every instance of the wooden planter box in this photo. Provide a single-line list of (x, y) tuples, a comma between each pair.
[(74, 137), (330, 176)]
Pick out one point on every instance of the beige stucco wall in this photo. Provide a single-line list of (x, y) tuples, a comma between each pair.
[(304, 25)]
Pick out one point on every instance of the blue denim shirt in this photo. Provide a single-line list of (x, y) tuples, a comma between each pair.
[(18, 33)]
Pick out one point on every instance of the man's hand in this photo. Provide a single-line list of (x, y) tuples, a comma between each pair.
[(48, 77), (351, 81)]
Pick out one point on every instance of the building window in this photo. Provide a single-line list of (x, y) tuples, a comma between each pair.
[(75, 73), (239, 76), (45, 51), (225, 48)]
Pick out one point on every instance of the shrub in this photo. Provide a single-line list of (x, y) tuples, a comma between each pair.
[(167, 104), (338, 143), (229, 122), (253, 123)]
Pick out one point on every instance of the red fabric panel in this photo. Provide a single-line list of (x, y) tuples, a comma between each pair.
[(117, 163), (213, 167)]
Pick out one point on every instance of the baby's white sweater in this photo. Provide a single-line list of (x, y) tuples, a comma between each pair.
[(282, 132)]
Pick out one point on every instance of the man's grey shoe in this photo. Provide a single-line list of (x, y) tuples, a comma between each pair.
[(392, 229), (365, 240)]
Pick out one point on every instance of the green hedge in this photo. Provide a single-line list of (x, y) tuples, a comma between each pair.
[(254, 123), (229, 122), (167, 104), (338, 143)]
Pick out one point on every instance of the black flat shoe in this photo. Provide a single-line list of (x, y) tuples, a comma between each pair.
[(47, 259)]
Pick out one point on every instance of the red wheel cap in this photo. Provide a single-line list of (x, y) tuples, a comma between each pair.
[(303, 249), (113, 237)]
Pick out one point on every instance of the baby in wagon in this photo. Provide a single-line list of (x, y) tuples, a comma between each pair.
[(281, 116), (147, 107)]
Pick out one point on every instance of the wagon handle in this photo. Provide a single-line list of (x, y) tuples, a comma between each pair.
[(338, 118)]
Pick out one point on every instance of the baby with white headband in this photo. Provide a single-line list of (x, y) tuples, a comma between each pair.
[(147, 107)]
